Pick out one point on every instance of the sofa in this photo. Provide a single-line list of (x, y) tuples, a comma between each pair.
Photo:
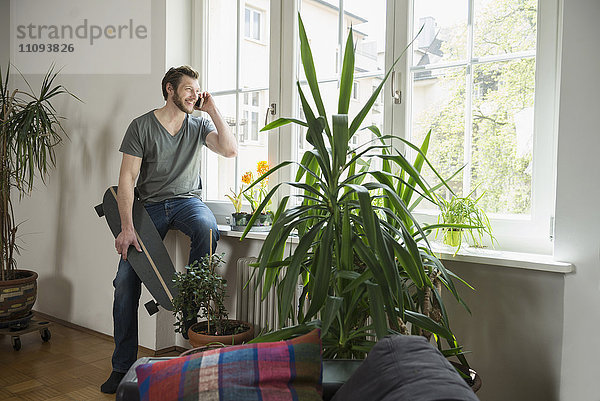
[(397, 368)]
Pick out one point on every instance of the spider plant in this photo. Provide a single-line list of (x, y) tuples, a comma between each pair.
[(30, 129), (463, 218), (361, 253)]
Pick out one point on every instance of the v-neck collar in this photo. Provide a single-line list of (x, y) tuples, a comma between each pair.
[(165, 130)]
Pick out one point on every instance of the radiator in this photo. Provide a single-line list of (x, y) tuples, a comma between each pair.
[(262, 314)]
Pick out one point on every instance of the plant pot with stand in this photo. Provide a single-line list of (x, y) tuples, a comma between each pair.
[(30, 129)]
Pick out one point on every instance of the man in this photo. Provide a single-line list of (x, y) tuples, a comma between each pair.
[(161, 149)]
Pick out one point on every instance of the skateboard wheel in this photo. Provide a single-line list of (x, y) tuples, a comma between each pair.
[(46, 335), (151, 307), (16, 343)]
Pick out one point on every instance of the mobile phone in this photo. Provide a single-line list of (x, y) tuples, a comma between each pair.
[(199, 102)]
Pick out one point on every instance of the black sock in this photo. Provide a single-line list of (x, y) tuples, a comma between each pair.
[(110, 386)]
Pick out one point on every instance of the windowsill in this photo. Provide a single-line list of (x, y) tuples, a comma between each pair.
[(517, 260), (226, 231)]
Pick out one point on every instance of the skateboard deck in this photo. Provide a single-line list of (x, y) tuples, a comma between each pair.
[(153, 265)]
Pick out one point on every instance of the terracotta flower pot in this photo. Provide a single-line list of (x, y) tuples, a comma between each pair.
[(198, 339), (17, 296)]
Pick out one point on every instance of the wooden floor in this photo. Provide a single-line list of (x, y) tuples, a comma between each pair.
[(71, 366)]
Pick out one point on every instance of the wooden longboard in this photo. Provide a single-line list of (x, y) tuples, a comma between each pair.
[(153, 265)]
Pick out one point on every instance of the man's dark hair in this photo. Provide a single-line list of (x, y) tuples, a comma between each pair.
[(173, 76)]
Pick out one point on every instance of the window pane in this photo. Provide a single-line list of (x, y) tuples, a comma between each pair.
[(444, 35), (247, 22), (503, 135), (504, 26), (251, 91), (438, 103), (254, 126), (321, 24), (367, 19), (221, 45), (256, 25), (220, 171), (244, 129), (254, 68)]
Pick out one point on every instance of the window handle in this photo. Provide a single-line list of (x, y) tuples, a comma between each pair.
[(396, 94), (272, 109)]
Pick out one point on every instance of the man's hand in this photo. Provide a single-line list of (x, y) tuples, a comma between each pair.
[(207, 103), (124, 240)]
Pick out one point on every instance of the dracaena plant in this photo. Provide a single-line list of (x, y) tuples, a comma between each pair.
[(30, 129), (364, 260)]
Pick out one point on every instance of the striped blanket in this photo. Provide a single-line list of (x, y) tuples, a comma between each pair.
[(277, 371)]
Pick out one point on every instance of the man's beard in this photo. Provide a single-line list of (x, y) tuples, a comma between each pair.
[(179, 103)]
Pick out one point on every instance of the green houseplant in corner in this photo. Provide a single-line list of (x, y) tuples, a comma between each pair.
[(365, 263), (201, 292), (29, 132)]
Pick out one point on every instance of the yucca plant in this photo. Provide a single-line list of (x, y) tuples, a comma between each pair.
[(364, 260), (30, 129)]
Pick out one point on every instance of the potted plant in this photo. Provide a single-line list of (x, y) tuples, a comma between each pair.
[(30, 129), (201, 293), (366, 263), (461, 217), (254, 195)]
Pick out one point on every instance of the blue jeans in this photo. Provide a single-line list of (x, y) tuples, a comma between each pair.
[(188, 215)]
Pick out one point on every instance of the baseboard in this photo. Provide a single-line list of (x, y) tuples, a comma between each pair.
[(102, 335), (169, 350)]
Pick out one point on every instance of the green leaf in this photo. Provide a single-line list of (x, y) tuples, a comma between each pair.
[(309, 69), (290, 281), (281, 122), (347, 77), (427, 323), (418, 164), (377, 310), (332, 307), (320, 273), (340, 140)]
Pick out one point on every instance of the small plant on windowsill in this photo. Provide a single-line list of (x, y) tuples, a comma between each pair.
[(462, 218), (254, 194), (201, 294)]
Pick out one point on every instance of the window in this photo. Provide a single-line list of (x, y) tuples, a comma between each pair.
[(252, 24), (355, 91), (473, 79), (236, 72), (482, 75), (327, 24)]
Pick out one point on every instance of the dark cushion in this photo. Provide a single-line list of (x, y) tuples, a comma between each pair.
[(405, 368), (282, 370)]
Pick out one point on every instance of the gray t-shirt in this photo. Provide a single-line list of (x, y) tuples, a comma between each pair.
[(170, 164)]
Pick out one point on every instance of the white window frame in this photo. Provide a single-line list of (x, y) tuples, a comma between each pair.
[(222, 209), (514, 233)]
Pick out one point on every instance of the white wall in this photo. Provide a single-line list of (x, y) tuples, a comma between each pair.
[(63, 238), (577, 215), (531, 333)]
